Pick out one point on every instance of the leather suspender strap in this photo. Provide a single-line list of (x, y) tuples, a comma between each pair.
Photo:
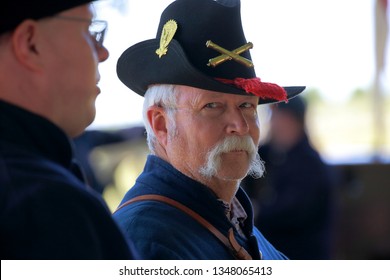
[(230, 242)]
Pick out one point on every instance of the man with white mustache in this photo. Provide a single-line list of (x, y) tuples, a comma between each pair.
[(231, 144), (203, 132)]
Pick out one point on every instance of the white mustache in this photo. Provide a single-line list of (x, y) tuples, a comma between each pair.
[(235, 143), (230, 144)]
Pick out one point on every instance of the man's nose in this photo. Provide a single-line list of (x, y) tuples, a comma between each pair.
[(103, 53), (237, 123)]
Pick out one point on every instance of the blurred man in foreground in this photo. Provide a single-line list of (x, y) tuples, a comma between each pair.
[(49, 56)]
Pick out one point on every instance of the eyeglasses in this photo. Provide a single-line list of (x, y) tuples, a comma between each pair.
[(97, 28)]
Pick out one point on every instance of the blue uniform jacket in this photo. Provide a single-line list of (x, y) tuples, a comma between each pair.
[(46, 210), (160, 231)]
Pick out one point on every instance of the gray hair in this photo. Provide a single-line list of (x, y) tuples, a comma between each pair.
[(163, 96)]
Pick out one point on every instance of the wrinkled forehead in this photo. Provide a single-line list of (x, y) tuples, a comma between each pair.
[(188, 95)]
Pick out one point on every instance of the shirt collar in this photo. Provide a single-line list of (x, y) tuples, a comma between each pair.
[(235, 213)]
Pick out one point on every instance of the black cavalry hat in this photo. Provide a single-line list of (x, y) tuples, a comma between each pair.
[(13, 12), (200, 43)]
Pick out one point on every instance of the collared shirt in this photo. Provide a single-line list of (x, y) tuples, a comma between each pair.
[(236, 214)]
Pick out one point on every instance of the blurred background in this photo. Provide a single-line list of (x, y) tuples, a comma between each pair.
[(338, 49)]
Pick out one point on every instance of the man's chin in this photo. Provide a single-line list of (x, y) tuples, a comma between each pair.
[(235, 156), (235, 171), (232, 165), (224, 177)]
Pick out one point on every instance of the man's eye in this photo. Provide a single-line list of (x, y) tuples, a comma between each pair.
[(247, 105), (211, 105)]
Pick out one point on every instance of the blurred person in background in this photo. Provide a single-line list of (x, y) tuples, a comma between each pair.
[(294, 200), (203, 133), (49, 56)]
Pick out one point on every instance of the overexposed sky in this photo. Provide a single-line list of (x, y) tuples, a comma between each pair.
[(323, 44)]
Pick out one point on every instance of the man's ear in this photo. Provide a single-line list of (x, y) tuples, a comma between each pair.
[(158, 118), (24, 45)]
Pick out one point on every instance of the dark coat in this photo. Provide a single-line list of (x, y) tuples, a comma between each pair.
[(160, 231), (46, 210), (295, 201)]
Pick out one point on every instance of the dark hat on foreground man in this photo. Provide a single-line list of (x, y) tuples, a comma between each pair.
[(14, 12), (205, 50)]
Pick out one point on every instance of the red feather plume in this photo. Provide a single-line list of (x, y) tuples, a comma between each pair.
[(256, 87)]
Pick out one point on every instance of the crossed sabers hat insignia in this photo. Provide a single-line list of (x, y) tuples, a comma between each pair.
[(229, 55)]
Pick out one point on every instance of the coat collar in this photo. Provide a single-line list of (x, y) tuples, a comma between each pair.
[(27, 132)]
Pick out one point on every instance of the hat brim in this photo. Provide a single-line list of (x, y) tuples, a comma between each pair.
[(139, 67), (16, 12)]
